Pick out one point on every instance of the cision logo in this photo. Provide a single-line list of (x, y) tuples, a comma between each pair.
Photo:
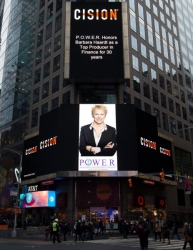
[(96, 14)]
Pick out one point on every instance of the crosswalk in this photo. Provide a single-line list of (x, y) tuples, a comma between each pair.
[(134, 242)]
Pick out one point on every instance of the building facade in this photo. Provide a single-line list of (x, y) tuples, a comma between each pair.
[(36, 69)]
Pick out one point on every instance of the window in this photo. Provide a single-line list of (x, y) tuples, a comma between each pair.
[(174, 75), (165, 47), (38, 57), (133, 23), (158, 44), (55, 84), (156, 24), (164, 33), (180, 130), (137, 103), (172, 57), (132, 5), (160, 63), (182, 96), (135, 62), (150, 38), (126, 98), (156, 113), (184, 113), (173, 125), (147, 108), (41, 19), (145, 70), (56, 63), (152, 57), (169, 87), (155, 10), (50, 11), (167, 10), (165, 121), (57, 43), (37, 75), (161, 81), (46, 69), (153, 76), (49, 30), (168, 24), (143, 50), (162, 17), (40, 38), (146, 90), (58, 5), (42, 3), (45, 90), (155, 95), (163, 101), (47, 51), (176, 91), (170, 39), (140, 11), (167, 69), (171, 105), (55, 103), (44, 108), (188, 81), (36, 95), (178, 111), (149, 21), (136, 83), (134, 43), (142, 30), (66, 98), (34, 121), (147, 2), (186, 133), (58, 23)]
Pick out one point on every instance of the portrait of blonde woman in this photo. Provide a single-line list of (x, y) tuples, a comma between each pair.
[(98, 138)]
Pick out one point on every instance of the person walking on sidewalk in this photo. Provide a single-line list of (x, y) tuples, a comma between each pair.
[(143, 232), (166, 233), (157, 231), (188, 236), (55, 230), (175, 230)]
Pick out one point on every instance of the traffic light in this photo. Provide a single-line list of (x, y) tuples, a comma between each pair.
[(130, 182), (162, 177)]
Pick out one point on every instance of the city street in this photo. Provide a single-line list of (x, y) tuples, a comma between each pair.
[(103, 244)]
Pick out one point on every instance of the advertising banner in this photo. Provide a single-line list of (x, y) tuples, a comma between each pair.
[(96, 44), (38, 199)]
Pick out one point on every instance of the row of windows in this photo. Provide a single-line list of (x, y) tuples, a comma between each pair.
[(49, 27), (50, 7), (165, 121), (44, 108), (46, 71)]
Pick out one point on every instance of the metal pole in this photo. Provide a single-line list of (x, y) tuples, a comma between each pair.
[(14, 233)]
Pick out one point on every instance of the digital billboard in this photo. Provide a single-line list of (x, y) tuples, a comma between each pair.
[(96, 43), (38, 199), (97, 142)]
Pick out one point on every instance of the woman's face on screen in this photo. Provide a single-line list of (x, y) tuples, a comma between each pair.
[(99, 116)]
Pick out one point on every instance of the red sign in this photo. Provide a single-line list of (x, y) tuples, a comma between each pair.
[(139, 200), (46, 183), (149, 182), (160, 202)]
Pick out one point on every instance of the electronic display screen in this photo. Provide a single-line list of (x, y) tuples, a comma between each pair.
[(96, 43), (97, 143), (38, 199)]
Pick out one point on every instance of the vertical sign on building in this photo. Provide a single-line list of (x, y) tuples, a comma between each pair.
[(96, 44)]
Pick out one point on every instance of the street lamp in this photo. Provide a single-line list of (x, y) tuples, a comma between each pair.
[(18, 178)]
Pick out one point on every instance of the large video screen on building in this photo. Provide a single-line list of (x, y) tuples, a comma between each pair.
[(96, 44), (97, 143)]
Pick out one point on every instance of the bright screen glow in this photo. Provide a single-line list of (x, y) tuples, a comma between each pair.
[(97, 144), (38, 199)]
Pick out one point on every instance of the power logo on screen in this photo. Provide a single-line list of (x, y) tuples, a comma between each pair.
[(97, 14)]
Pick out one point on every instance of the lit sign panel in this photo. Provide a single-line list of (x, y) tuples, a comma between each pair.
[(96, 44), (165, 151), (97, 144), (38, 199)]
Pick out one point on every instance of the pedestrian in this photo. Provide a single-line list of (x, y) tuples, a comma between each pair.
[(46, 232), (111, 225), (51, 232), (75, 231), (166, 233), (175, 230), (157, 230), (188, 235), (55, 230), (143, 232)]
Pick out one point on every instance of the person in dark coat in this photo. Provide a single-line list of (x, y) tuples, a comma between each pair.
[(143, 232), (166, 233)]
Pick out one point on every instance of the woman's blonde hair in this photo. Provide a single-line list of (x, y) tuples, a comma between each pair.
[(99, 106)]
